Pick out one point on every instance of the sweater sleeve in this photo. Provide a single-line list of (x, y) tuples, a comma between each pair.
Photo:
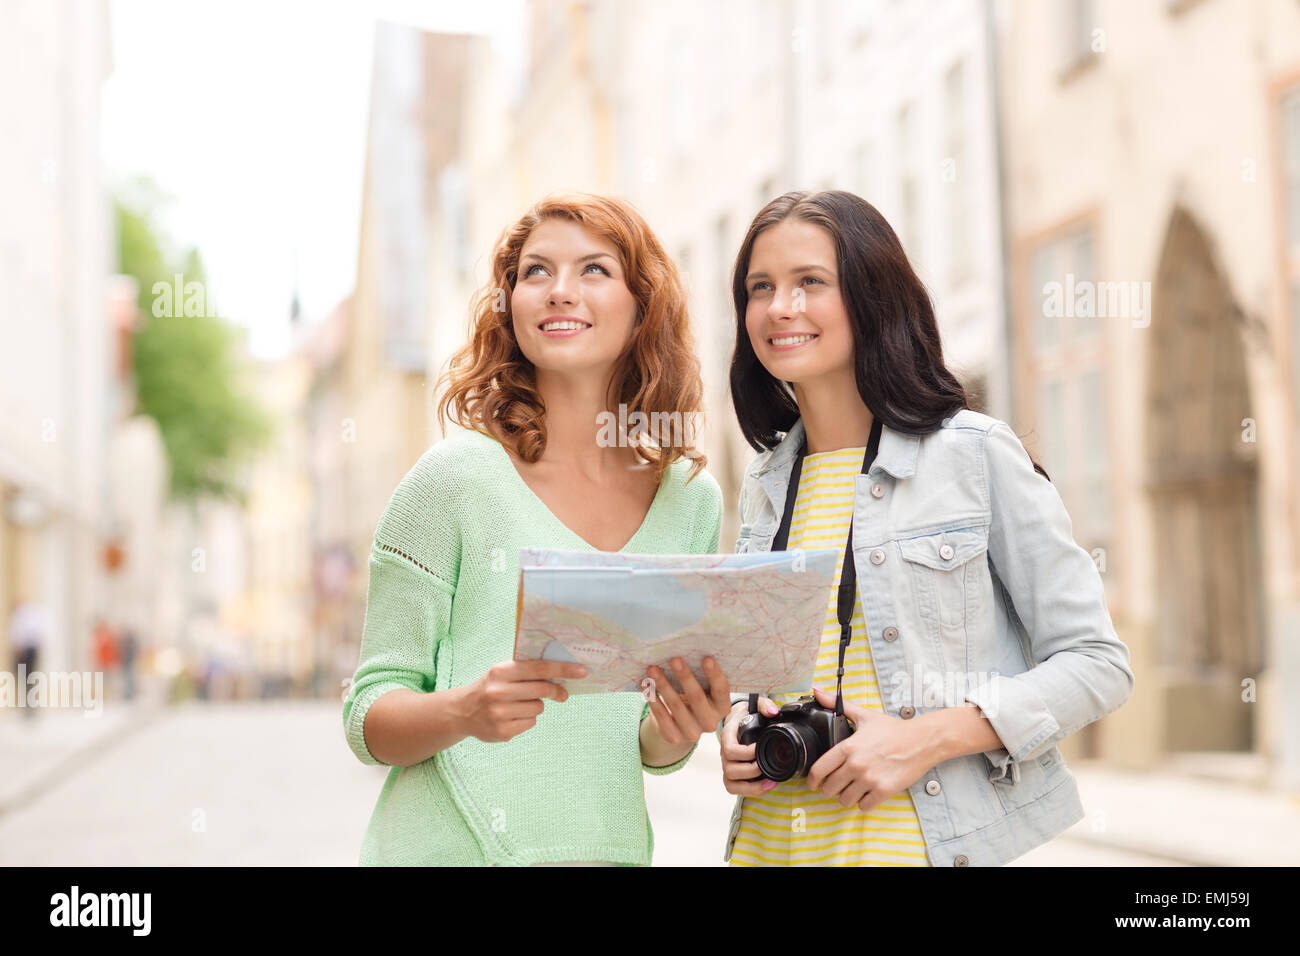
[(413, 563), (709, 520)]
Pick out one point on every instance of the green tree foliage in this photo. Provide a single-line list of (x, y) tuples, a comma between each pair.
[(188, 373)]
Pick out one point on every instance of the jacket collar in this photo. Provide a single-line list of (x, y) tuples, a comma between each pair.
[(896, 455)]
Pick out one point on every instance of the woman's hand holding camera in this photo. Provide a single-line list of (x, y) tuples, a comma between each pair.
[(884, 757), (739, 768), (507, 700)]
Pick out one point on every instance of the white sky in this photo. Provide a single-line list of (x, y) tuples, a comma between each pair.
[(252, 115)]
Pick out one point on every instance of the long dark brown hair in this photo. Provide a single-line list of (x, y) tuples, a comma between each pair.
[(897, 355)]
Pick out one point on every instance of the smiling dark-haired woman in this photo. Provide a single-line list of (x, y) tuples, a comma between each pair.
[(979, 635)]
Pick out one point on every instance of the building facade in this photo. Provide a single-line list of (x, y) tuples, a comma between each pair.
[(1154, 195), (55, 259)]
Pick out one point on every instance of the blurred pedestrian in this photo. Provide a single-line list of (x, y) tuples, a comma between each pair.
[(129, 649), (104, 647), (29, 628)]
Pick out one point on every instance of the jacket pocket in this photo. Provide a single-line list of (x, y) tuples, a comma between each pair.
[(1036, 777), (950, 580)]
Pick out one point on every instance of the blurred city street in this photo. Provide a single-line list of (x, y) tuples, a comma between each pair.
[(218, 363), (238, 784), (273, 784)]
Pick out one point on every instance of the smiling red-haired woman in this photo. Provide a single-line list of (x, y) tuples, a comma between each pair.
[(584, 317)]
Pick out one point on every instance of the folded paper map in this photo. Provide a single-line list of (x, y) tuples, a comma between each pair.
[(760, 616)]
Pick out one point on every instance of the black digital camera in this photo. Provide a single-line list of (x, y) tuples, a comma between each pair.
[(790, 741)]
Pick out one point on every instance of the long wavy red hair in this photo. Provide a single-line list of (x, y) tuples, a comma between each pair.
[(491, 386)]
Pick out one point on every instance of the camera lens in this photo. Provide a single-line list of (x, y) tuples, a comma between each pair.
[(784, 751)]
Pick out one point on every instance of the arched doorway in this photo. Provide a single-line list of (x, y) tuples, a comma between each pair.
[(1203, 495)]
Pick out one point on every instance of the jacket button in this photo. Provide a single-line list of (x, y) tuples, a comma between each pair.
[(890, 633), (960, 860), (946, 552), (877, 490), (877, 556), (932, 787), (906, 711)]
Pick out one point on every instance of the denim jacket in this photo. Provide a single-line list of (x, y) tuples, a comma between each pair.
[(973, 589)]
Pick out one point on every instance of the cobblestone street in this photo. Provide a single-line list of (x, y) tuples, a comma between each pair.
[(274, 783)]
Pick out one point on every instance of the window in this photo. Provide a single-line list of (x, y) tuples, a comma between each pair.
[(1079, 251), (1290, 140), (1094, 464), (907, 189), (724, 328), (1068, 362), (1077, 20), (1291, 166), (957, 177), (909, 217), (1063, 290), (1049, 322), (826, 39), (454, 197), (721, 66), (1073, 436), (1295, 341), (862, 171), (1051, 419), (681, 92)]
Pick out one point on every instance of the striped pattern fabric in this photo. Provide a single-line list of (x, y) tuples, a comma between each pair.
[(791, 825)]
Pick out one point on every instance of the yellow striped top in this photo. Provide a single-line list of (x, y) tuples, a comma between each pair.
[(791, 824)]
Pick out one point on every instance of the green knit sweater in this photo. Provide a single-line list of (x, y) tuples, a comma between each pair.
[(440, 611)]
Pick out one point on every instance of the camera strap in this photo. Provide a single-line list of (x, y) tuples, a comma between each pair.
[(848, 573)]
